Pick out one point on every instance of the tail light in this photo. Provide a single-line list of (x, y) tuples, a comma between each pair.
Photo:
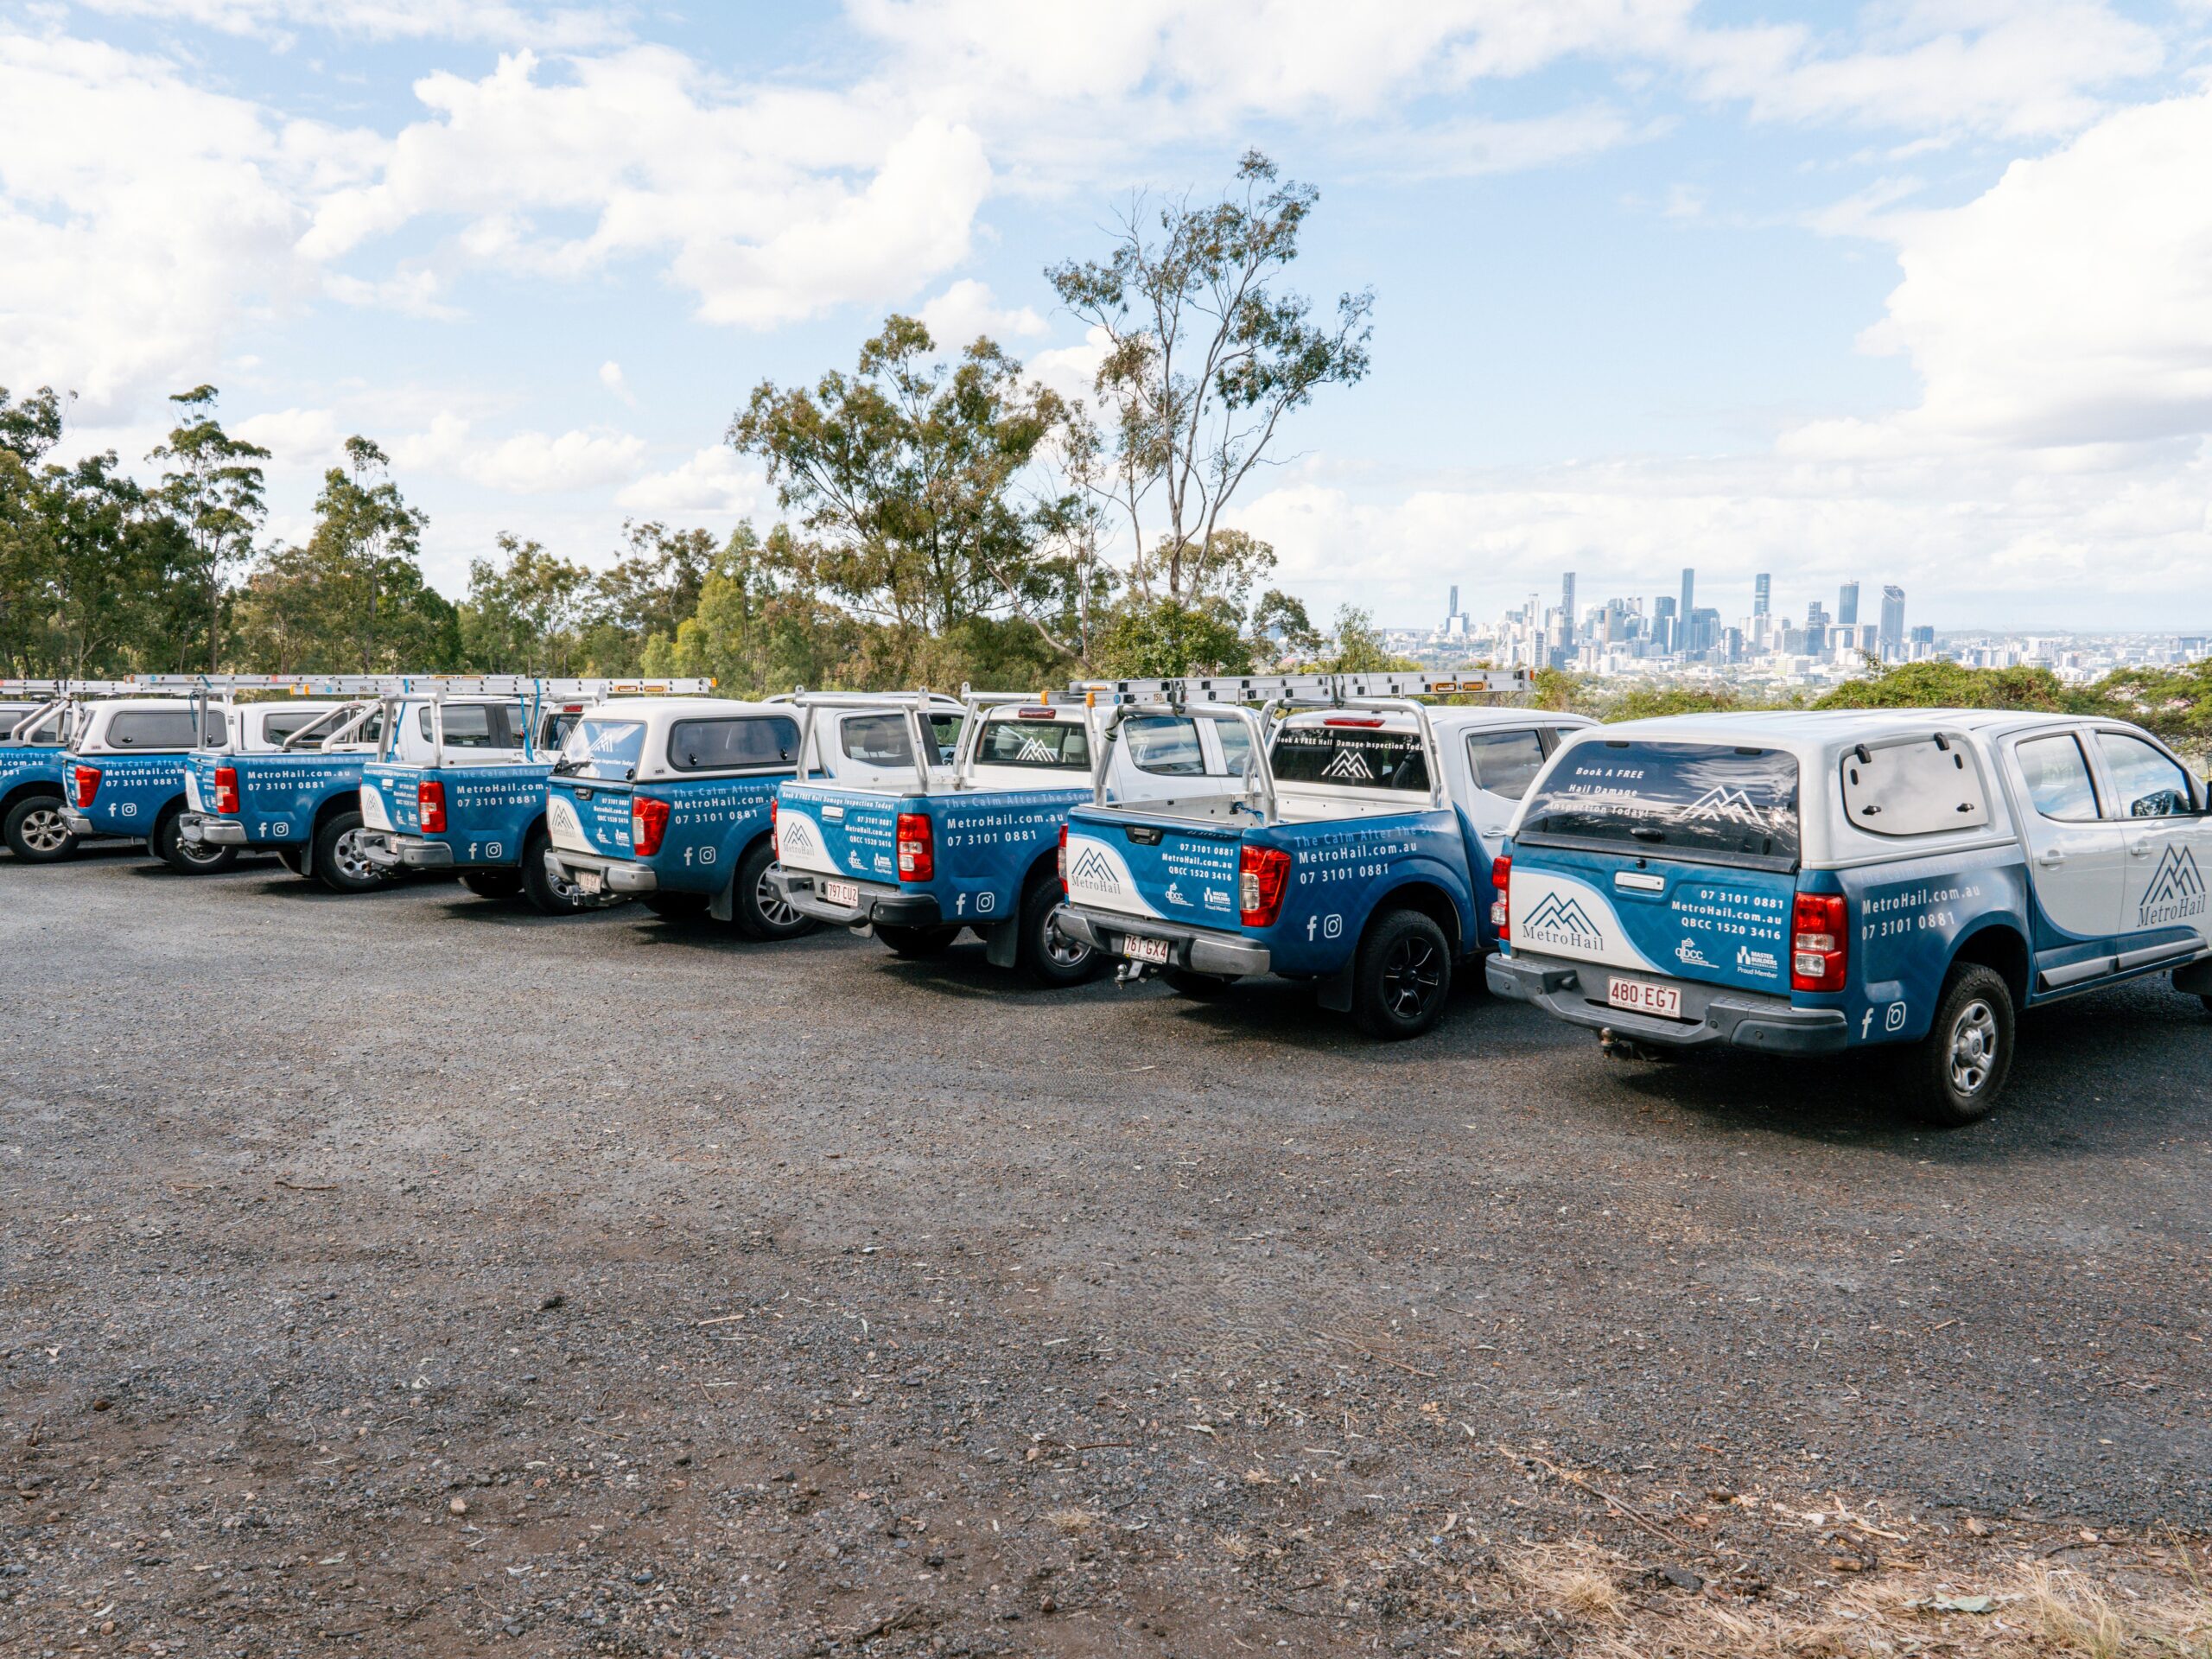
[(88, 785), (430, 801), (226, 789), (775, 829), (917, 847), (1820, 948), (1063, 860), (1262, 875), (648, 823), (1501, 908)]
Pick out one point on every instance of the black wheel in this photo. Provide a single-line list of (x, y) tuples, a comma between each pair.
[(553, 895), (1402, 975), (676, 906), (1957, 1071), (492, 884), (759, 909), (36, 832), (916, 942), (292, 859), (1045, 954), (193, 858), (1204, 988), (339, 860)]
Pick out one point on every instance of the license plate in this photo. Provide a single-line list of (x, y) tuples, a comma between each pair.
[(1638, 997), (847, 893), (591, 880), (1137, 948)]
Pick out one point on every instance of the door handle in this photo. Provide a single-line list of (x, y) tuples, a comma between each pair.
[(2140, 849), (2050, 859)]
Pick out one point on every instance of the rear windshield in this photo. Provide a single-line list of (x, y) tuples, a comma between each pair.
[(281, 723), (1064, 745), (161, 729), (477, 725), (1704, 800), (883, 740), (1351, 757), (729, 745), (603, 748)]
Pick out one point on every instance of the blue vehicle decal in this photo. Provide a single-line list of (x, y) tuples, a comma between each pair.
[(489, 809), (24, 765), (279, 794), (134, 790), (985, 841), (710, 823)]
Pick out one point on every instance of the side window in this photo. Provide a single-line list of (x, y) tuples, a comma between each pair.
[(730, 745), (945, 729), (876, 740), (1236, 745), (1505, 763), (280, 723), (1165, 743), (159, 728), (1922, 786), (468, 726), (2056, 774), (2147, 783)]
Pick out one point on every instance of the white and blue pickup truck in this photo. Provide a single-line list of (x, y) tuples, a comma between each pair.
[(287, 780), (1352, 847), (913, 854), (1819, 883), (36, 718), (670, 801), (125, 765)]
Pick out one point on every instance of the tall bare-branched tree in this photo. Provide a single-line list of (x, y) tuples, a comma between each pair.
[(212, 488)]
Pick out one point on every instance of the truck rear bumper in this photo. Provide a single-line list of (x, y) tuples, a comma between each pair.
[(591, 872), (215, 832), (1193, 948), (78, 822), (1714, 1016), (391, 851), (802, 891)]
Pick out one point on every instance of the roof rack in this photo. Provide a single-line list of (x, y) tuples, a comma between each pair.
[(67, 688), (433, 685), (1306, 687)]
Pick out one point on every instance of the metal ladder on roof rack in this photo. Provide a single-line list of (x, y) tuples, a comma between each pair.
[(1306, 688), (402, 685)]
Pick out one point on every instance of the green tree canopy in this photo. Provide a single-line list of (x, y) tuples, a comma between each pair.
[(212, 490)]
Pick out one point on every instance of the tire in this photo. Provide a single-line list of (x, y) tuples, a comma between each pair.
[(1202, 988), (1046, 956), (170, 846), (291, 859), (1956, 1073), (552, 895), (492, 884), (1402, 976), (916, 944), (760, 911), (36, 832), (676, 906), (340, 864)]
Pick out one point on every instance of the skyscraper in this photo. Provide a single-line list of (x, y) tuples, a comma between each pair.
[(1664, 630), (1688, 610), (1567, 604), (1847, 605), (1892, 621), (1762, 594)]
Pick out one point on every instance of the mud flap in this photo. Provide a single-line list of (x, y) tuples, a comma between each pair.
[(1333, 991), (2195, 978), (307, 855), (1002, 944), (720, 906)]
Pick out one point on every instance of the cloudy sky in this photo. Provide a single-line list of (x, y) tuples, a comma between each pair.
[(1919, 292)]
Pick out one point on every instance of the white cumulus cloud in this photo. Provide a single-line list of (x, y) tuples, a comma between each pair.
[(524, 463), (717, 480)]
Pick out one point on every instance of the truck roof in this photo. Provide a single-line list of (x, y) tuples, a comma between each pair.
[(1822, 734)]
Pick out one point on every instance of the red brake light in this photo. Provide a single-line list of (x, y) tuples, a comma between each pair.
[(1820, 946), (1262, 876), (88, 785), (1353, 720), (917, 847), (430, 801), (775, 829), (1501, 908), (226, 789), (1063, 860), (648, 823), (1036, 714)]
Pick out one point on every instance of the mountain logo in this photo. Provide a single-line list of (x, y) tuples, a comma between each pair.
[(2176, 892), (1035, 751), (1557, 920), (1093, 870), (798, 838), (1722, 804), (1351, 766)]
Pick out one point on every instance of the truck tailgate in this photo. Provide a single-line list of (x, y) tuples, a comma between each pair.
[(835, 831), (588, 817), (1142, 865), (1712, 922), (388, 798)]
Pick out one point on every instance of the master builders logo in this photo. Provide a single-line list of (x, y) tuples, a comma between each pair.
[(1559, 920), (2176, 892)]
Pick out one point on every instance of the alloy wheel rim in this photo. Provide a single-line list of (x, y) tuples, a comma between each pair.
[(44, 831), (346, 854), (1413, 976), (199, 852), (1974, 1047), (1064, 951), (773, 910)]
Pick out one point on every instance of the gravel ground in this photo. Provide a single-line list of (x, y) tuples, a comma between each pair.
[(411, 1273)]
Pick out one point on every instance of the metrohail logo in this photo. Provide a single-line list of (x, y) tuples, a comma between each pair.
[(798, 837), (1091, 869), (1722, 804), (1349, 764), (1557, 920), (2176, 892)]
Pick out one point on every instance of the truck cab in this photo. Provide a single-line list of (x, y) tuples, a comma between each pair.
[(1354, 851), (33, 782), (124, 772), (458, 785), (1824, 883), (913, 853), (667, 800), (286, 781)]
